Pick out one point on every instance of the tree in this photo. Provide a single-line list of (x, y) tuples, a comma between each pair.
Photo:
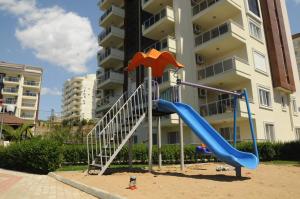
[(21, 133)]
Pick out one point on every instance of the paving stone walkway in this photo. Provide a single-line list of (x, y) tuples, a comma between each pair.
[(19, 185)]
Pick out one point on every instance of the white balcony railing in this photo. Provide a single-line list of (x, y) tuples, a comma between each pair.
[(216, 32), (165, 12), (11, 79), (31, 83), (220, 67), (114, 30), (10, 90), (110, 75), (217, 107), (168, 43)]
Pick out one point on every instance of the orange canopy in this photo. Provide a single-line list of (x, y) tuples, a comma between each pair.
[(157, 60)]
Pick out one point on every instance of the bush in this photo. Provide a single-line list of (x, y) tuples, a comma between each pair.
[(36, 155), (75, 154)]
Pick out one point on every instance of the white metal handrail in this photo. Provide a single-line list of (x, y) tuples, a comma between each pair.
[(111, 133)]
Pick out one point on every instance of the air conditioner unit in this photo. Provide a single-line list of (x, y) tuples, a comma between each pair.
[(201, 93), (199, 59), (197, 29)]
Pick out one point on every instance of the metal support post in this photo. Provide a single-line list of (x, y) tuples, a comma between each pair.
[(150, 118), (181, 134)]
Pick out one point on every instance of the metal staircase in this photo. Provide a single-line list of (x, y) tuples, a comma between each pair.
[(115, 128)]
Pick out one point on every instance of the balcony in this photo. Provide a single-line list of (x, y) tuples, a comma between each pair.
[(160, 25), (31, 84), (10, 101), (106, 102), (222, 111), (112, 16), (28, 105), (110, 80), (111, 37), (169, 120), (220, 40), (167, 80), (166, 44), (111, 58), (28, 115), (209, 13), (11, 80), (106, 4), (10, 91), (29, 95), (231, 70), (152, 6)]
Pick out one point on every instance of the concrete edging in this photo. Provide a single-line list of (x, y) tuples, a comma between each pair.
[(99, 193)]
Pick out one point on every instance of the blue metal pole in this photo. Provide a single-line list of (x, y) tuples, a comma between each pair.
[(251, 123), (234, 119)]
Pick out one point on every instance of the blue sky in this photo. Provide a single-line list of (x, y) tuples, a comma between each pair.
[(31, 29)]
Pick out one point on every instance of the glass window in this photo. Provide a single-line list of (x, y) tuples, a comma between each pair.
[(270, 132), (259, 61), (228, 134), (297, 133), (255, 30), (254, 7), (173, 138), (265, 97), (283, 101), (294, 104)]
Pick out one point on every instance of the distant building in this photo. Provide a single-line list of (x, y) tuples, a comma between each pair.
[(79, 98), (296, 40), (20, 87)]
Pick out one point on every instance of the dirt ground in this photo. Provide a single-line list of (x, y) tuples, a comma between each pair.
[(200, 181)]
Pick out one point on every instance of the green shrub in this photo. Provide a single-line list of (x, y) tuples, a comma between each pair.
[(36, 155), (75, 154)]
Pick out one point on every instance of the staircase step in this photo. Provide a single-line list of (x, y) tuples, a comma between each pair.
[(96, 165)]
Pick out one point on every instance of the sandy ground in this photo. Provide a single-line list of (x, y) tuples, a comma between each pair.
[(200, 181)]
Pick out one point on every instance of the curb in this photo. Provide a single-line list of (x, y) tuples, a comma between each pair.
[(99, 193)]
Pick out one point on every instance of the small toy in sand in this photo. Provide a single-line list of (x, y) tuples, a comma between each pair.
[(132, 183), (222, 168)]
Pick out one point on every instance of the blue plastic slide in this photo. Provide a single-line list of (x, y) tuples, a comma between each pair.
[(214, 141)]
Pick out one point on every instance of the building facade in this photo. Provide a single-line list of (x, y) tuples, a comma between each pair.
[(223, 44), (20, 90), (78, 100), (296, 41)]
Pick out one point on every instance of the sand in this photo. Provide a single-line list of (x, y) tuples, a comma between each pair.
[(200, 181)]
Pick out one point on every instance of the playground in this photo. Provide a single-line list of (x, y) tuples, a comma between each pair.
[(200, 181)]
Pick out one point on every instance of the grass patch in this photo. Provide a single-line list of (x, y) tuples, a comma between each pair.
[(283, 162)]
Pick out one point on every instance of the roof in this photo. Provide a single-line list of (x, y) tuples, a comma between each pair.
[(11, 119), (157, 60), (295, 36)]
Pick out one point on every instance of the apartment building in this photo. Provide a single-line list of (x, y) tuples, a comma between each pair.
[(296, 41), (79, 98), (20, 87), (223, 44)]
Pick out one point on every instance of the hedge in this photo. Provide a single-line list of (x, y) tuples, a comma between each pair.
[(36, 155), (42, 156), (171, 153)]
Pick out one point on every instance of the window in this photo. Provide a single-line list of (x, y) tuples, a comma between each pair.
[(264, 97), (254, 7), (173, 138), (255, 30), (135, 139), (283, 102), (259, 61), (154, 139), (297, 130), (270, 133), (228, 134), (294, 104)]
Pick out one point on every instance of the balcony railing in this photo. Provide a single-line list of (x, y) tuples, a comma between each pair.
[(168, 42), (211, 34), (10, 90), (106, 13), (107, 75), (155, 18), (11, 79), (30, 94), (203, 5), (27, 104), (10, 101), (219, 67), (218, 107), (31, 83), (27, 115)]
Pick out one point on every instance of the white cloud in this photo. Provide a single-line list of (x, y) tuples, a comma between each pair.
[(59, 37), (50, 91)]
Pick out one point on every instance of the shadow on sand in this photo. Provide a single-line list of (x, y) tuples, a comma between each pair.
[(218, 177)]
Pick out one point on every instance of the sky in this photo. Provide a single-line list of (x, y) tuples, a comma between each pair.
[(61, 37)]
